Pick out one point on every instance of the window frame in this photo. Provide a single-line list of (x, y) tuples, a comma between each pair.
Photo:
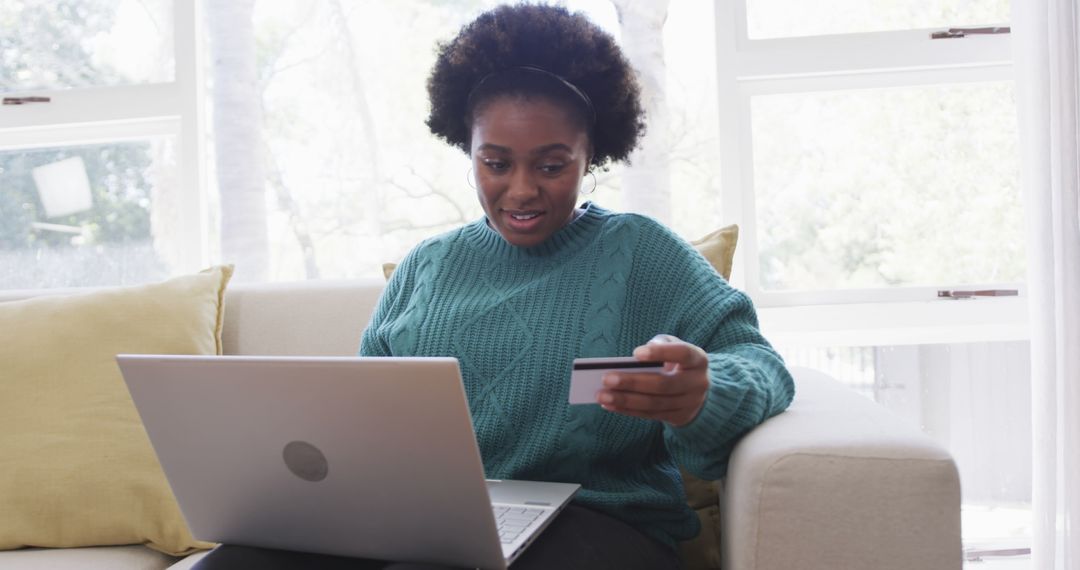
[(747, 68), (101, 115)]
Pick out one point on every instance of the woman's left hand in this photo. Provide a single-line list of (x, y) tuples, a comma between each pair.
[(675, 396)]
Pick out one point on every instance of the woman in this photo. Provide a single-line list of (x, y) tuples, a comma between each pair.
[(539, 97)]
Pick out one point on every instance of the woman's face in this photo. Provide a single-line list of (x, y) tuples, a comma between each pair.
[(529, 158)]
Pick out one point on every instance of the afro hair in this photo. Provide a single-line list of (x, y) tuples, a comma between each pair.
[(546, 37)]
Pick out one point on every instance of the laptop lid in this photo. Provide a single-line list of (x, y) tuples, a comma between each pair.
[(351, 456)]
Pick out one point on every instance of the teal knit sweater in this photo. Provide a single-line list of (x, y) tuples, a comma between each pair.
[(515, 318)]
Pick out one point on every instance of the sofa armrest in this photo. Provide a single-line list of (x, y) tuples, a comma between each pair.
[(838, 481)]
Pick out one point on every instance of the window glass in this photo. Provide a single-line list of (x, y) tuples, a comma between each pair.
[(86, 215), (352, 176), (888, 187), (790, 18), (45, 44)]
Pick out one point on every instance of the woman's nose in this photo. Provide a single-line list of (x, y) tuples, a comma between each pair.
[(523, 184)]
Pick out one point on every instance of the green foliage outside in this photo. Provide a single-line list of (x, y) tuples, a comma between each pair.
[(119, 188), (892, 187), (44, 45)]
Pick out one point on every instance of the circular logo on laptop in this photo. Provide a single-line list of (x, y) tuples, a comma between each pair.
[(305, 461)]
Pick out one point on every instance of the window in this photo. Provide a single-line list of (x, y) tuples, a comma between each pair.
[(870, 166), (881, 160), (98, 176), (317, 109)]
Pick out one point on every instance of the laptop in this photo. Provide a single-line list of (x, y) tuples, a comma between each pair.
[(349, 456)]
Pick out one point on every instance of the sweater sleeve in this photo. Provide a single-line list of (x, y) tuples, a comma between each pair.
[(374, 340), (748, 382)]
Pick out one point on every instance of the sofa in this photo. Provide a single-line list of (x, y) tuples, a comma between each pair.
[(835, 482)]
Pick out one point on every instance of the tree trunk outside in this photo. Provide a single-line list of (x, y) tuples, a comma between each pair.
[(237, 139), (646, 181), (367, 127), (287, 203)]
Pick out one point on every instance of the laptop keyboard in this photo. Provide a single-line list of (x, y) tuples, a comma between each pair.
[(512, 521)]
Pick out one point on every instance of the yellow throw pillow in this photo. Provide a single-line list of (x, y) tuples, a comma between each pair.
[(388, 270), (703, 551), (719, 248), (76, 467)]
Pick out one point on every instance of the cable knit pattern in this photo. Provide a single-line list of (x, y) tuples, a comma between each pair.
[(515, 318), (608, 290), (427, 268)]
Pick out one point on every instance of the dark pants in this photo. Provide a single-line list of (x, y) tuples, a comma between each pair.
[(577, 539)]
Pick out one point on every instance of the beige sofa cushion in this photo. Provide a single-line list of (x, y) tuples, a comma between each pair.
[(93, 558), (310, 318), (76, 467)]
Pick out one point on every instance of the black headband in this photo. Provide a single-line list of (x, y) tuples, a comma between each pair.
[(543, 73)]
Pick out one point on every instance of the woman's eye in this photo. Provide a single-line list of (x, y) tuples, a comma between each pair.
[(552, 168), (496, 165)]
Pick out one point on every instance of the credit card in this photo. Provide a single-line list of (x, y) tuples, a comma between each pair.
[(587, 377)]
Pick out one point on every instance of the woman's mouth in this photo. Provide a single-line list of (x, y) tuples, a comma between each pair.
[(523, 220)]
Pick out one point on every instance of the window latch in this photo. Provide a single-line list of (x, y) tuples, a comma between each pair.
[(25, 100), (963, 32), (962, 294)]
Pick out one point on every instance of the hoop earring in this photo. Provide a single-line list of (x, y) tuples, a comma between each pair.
[(469, 178), (593, 189)]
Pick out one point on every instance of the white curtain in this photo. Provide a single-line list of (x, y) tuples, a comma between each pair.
[(1047, 63)]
